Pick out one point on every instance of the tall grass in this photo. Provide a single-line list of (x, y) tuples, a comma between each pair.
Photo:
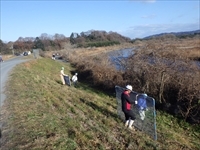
[(41, 113)]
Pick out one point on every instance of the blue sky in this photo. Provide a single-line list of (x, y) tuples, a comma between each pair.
[(130, 18)]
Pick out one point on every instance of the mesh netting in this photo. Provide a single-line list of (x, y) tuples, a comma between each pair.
[(145, 119)]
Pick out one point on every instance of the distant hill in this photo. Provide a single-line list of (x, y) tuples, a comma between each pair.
[(177, 34)]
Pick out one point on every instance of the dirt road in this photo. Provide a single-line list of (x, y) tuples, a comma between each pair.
[(5, 70)]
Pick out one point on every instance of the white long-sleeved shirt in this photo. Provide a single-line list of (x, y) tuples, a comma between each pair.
[(74, 78)]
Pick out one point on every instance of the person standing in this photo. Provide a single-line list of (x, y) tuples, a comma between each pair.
[(75, 79), (142, 105), (126, 107), (1, 58), (62, 74), (53, 57)]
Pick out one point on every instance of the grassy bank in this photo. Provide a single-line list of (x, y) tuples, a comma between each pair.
[(41, 113)]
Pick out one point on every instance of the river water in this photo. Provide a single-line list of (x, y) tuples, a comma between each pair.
[(117, 57)]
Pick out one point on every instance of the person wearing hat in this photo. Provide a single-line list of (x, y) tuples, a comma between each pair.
[(75, 79), (142, 105), (62, 74), (126, 107), (53, 56)]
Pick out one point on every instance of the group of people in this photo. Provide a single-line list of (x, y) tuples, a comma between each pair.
[(65, 79), (127, 103), (126, 100)]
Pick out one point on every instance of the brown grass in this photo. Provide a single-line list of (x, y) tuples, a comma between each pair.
[(43, 114), (163, 82), (5, 57)]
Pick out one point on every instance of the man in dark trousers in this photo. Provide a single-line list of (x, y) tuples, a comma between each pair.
[(126, 107)]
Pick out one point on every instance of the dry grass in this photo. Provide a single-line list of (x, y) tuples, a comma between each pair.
[(5, 57), (186, 48), (92, 51), (44, 114)]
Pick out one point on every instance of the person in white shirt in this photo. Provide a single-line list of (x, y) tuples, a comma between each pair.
[(53, 57), (75, 79)]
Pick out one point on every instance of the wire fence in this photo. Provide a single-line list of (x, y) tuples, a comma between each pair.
[(145, 118)]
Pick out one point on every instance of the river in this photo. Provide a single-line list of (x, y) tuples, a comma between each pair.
[(119, 56)]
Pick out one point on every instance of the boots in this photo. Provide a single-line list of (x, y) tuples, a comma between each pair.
[(126, 123), (130, 125)]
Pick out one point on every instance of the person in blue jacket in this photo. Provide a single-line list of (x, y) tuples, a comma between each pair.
[(142, 105)]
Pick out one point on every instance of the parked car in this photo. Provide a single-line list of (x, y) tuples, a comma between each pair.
[(25, 53)]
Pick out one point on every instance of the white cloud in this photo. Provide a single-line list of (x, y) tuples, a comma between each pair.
[(142, 31), (145, 1), (149, 1)]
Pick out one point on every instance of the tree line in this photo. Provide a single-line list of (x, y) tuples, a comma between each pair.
[(44, 42), (47, 42)]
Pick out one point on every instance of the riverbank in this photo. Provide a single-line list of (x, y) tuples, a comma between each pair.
[(90, 51), (63, 117), (186, 48)]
